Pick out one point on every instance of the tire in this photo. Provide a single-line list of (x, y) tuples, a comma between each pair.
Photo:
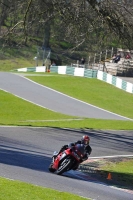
[(64, 166), (51, 169)]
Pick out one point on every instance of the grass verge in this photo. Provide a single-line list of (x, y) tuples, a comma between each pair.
[(115, 171), (90, 90), (16, 111), (16, 190), (120, 171)]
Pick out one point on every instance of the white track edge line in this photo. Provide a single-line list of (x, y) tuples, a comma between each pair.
[(79, 100)]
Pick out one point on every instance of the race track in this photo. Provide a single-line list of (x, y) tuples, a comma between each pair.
[(25, 153), (51, 99)]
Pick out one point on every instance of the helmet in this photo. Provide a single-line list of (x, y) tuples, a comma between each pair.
[(85, 140)]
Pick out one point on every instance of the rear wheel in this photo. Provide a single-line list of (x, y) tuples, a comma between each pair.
[(64, 166)]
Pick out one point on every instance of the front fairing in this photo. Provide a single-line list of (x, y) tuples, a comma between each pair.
[(58, 159), (79, 152)]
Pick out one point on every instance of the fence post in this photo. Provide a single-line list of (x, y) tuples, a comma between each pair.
[(112, 52), (94, 59), (88, 61), (106, 54), (100, 59), (77, 63)]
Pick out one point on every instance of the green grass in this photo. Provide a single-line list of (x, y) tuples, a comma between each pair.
[(16, 111), (14, 58), (12, 63), (16, 190), (6, 65), (120, 167), (120, 171), (92, 91)]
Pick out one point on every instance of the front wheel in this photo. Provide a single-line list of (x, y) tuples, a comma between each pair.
[(51, 169), (64, 166)]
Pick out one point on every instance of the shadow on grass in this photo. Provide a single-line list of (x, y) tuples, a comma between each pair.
[(122, 179)]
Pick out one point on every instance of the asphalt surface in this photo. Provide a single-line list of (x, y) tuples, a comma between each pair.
[(51, 99), (25, 154)]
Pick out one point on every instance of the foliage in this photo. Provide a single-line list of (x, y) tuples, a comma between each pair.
[(85, 23)]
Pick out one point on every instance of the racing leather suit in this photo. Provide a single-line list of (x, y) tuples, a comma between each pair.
[(88, 150)]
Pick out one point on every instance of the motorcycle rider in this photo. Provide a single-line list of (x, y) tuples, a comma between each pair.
[(85, 141)]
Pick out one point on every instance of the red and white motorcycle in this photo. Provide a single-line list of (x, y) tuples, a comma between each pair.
[(68, 159)]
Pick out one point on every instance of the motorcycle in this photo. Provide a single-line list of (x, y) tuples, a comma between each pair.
[(68, 159)]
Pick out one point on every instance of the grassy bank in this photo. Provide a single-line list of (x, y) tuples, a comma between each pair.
[(14, 58), (16, 111), (122, 166), (119, 170), (116, 171), (92, 91)]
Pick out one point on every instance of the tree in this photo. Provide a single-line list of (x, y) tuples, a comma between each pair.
[(77, 20)]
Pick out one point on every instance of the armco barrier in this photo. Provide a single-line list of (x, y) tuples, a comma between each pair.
[(117, 82), (74, 71), (32, 69)]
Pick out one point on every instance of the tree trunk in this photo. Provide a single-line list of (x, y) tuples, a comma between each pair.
[(47, 29)]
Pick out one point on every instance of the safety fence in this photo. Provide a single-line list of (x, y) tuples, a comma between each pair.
[(117, 82), (63, 70), (74, 71), (82, 72), (32, 69)]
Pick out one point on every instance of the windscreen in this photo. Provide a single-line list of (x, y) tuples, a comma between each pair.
[(80, 148)]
